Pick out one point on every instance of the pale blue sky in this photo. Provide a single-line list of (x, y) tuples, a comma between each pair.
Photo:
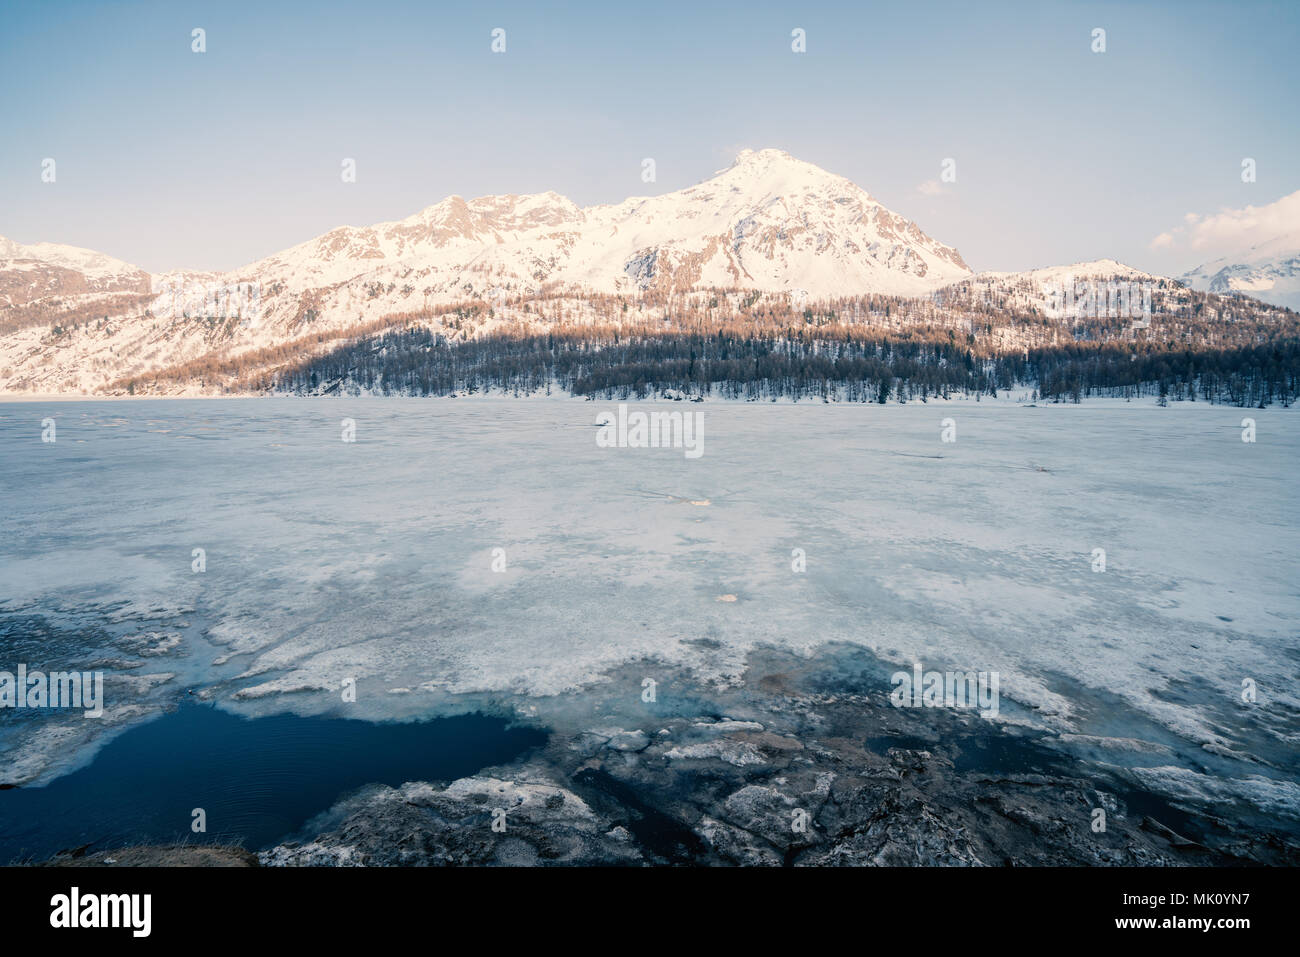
[(168, 158)]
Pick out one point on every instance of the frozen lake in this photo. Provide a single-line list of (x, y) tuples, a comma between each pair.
[(488, 553)]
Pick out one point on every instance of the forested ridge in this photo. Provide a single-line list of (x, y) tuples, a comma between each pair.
[(423, 362), (731, 344)]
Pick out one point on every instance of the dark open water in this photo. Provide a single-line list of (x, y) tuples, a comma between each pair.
[(259, 780)]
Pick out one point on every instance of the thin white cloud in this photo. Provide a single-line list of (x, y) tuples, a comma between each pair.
[(931, 187), (1234, 230)]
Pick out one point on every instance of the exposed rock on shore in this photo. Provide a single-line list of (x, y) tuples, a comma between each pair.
[(828, 777), (165, 855)]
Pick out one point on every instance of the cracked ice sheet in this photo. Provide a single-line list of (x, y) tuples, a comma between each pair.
[(373, 560)]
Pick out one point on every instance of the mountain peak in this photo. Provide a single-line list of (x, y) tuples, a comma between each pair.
[(767, 156), (764, 162), (770, 221), (768, 174)]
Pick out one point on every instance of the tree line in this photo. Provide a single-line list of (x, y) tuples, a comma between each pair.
[(611, 363)]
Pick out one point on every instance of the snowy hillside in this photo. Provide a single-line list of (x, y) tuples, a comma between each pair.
[(1269, 271), (1080, 290), (42, 270)]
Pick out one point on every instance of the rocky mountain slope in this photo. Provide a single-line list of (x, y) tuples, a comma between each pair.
[(40, 271), (1269, 271), (768, 222)]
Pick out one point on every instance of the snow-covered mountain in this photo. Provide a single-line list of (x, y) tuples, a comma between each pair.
[(43, 270), (73, 320), (1269, 271), (1079, 289), (768, 222)]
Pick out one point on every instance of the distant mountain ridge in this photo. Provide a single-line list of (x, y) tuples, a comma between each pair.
[(44, 270), (1269, 272), (768, 222), (73, 320)]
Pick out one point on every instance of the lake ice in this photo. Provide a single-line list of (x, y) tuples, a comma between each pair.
[(470, 551)]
